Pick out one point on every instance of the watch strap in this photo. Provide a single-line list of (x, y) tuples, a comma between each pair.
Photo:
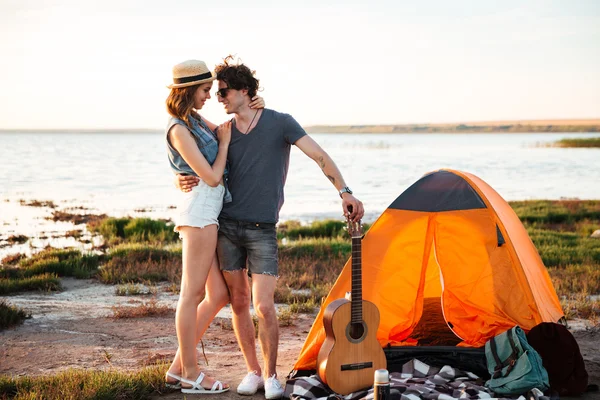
[(345, 189)]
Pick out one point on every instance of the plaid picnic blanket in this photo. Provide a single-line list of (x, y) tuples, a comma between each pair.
[(416, 381)]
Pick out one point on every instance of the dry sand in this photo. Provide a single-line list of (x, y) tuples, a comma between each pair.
[(72, 329)]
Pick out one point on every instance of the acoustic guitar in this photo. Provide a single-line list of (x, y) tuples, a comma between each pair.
[(351, 353)]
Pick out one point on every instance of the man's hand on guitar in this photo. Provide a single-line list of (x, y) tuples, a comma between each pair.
[(185, 183), (353, 207), (351, 353)]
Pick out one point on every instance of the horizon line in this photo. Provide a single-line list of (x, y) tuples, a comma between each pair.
[(534, 122)]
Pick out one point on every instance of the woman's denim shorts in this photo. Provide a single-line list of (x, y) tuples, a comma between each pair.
[(200, 207)]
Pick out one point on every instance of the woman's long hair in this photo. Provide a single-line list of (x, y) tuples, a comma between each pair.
[(180, 103)]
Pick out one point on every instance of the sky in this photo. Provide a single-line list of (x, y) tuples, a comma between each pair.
[(105, 64)]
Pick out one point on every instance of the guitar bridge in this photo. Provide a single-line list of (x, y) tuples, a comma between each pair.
[(356, 366)]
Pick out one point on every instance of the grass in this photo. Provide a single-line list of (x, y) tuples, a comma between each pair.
[(308, 268), (317, 229), (581, 306), (311, 265), (557, 215), (301, 263), (146, 309), (560, 249), (134, 289), (76, 219), (313, 255), (43, 282), (12, 259), (17, 239), (304, 307), (173, 288), (41, 271), (38, 203), (75, 233), (11, 315), (578, 142), (581, 279), (561, 231), (317, 248), (286, 317), (63, 262), (143, 251), (74, 384), (139, 263), (134, 230)]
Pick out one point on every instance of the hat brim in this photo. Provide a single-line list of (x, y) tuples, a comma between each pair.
[(186, 84)]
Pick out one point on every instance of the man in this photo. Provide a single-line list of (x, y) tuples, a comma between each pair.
[(259, 155)]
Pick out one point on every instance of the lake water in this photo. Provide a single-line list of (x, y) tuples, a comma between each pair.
[(128, 174), (119, 172)]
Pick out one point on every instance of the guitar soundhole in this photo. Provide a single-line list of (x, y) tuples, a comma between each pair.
[(356, 332)]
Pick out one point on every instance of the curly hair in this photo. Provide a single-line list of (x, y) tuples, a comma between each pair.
[(180, 103), (237, 76)]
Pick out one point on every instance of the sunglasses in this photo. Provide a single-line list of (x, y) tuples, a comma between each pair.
[(222, 92)]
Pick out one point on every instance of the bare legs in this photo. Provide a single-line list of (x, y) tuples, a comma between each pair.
[(243, 327), (216, 298), (200, 270), (263, 289)]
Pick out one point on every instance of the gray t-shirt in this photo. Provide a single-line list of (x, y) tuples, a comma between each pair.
[(258, 166)]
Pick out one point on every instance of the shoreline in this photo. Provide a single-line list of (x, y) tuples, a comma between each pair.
[(359, 130), (591, 125), (32, 225)]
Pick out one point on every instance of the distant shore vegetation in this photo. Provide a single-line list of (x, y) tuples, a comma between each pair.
[(578, 142), (541, 126), (522, 126)]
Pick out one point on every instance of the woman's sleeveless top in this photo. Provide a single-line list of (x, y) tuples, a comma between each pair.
[(207, 144)]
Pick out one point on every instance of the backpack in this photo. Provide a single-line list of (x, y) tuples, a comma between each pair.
[(561, 357), (514, 365)]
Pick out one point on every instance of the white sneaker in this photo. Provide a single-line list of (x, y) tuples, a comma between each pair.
[(273, 389), (250, 384)]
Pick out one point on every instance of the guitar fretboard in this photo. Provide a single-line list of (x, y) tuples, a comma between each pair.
[(356, 307)]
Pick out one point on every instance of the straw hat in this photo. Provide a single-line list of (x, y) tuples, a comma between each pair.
[(191, 72)]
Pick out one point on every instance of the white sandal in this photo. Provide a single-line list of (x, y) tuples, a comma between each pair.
[(196, 388), (176, 385)]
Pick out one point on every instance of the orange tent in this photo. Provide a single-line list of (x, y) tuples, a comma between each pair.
[(448, 243)]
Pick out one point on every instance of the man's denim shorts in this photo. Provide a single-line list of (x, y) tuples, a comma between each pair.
[(255, 242), (200, 207)]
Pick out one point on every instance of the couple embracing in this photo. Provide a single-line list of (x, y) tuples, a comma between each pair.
[(232, 177)]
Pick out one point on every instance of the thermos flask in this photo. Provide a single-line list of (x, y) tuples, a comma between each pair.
[(382, 385)]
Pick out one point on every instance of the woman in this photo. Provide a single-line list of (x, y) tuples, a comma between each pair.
[(194, 149)]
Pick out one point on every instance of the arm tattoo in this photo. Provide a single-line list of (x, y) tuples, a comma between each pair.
[(321, 162)]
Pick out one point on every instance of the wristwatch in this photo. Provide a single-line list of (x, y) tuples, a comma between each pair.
[(345, 189)]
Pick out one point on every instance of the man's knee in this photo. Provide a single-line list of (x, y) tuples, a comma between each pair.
[(239, 291), (240, 301), (265, 309)]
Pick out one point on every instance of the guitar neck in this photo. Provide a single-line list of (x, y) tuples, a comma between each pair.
[(356, 307)]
